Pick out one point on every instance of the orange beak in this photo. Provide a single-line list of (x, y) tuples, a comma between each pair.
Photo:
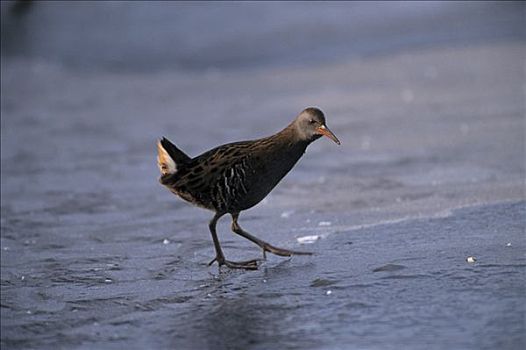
[(323, 130)]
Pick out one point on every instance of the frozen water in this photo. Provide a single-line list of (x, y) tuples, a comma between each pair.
[(427, 99)]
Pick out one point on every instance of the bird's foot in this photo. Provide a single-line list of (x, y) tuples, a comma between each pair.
[(280, 251), (245, 265)]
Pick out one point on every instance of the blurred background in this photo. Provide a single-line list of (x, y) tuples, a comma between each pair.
[(426, 97), (157, 36)]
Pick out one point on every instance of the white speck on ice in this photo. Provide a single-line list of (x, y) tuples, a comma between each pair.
[(108, 280), (471, 259), (324, 223), (366, 143), (308, 239), (166, 241), (23, 278), (508, 244), (329, 292), (287, 214)]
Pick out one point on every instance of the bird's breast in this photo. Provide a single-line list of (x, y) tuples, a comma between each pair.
[(265, 172)]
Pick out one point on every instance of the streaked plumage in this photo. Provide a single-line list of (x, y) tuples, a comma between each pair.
[(236, 176)]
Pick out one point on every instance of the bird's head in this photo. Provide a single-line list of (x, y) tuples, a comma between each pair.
[(310, 125)]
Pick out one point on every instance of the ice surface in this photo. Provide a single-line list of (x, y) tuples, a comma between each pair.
[(430, 111)]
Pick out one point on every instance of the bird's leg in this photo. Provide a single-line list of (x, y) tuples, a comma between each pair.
[(267, 247), (220, 257)]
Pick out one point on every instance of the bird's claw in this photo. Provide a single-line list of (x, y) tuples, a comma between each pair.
[(246, 265)]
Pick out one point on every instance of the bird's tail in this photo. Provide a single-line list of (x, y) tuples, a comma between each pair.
[(169, 157)]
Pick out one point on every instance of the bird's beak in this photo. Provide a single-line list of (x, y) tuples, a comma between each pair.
[(323, 130)]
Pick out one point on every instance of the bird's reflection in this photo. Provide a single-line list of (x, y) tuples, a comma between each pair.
[(238, 323), (243, 311)]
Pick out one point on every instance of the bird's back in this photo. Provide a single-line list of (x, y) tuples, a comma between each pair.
[(235, 176)]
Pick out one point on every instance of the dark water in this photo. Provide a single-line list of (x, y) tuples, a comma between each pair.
[(390, 286), (158, 36)]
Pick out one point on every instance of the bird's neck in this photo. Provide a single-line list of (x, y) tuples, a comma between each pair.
[(287, 146), (290, 138), (282, 151)]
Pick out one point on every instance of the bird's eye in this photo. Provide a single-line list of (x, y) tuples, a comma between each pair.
[(312, 121)]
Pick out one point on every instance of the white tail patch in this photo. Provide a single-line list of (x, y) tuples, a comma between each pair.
[(166, 163)]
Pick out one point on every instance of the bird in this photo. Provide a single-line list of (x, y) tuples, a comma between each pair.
[(236, 176)]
